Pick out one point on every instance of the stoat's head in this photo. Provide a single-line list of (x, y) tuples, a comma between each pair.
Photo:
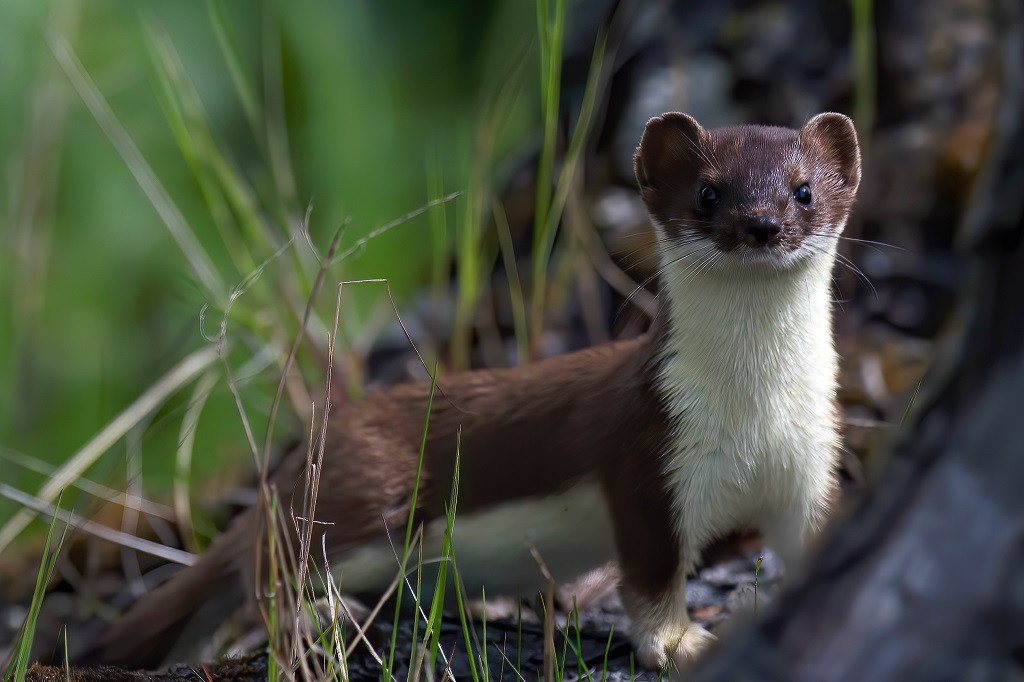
[(748, 196)]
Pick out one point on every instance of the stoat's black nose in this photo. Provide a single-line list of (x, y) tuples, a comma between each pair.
[(762, 230)]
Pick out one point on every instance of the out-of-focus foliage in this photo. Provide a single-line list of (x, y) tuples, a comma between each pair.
[(247, 113)]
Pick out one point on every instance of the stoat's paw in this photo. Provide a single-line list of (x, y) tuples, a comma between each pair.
[(672, 649)]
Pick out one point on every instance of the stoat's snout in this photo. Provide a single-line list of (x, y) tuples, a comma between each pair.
[(761, 231)]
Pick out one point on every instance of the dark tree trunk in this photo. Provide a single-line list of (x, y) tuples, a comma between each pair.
[(925, 581)]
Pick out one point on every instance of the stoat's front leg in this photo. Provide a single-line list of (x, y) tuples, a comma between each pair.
[(653, 573), (663, 635)]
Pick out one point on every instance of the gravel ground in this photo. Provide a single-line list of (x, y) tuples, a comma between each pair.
[(604, 651)]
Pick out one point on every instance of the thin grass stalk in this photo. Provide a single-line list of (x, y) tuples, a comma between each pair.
[(171, 216), (67, 656), (547, 606), (337, 645), (273, 583), (519, 635), (293, 351), (152, 398), (22, 654), (467, 634), (409, 523), (865, 66), (757, 575), (582, 670), (361, 636), (37, 506), (274, 106), (183, 457), (438, 221), (544, 238), (520, 326), (359, 246), (596, 80), (196, 155), (607, 652), (229, 50), (910, 405), (415, 652), (89, 486), (560, 675), (472, 262), (433, 630), (222, 348), (234, 186), (550, 31), (311, 492)]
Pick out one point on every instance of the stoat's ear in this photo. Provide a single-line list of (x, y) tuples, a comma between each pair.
[(832, 138), (672, 149)]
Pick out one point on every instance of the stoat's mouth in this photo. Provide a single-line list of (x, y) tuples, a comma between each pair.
[(777, 257), (772, 257), (691, 253), (763, 254)]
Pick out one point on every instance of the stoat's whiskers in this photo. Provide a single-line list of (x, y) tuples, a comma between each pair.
[(670, 265), (848, 264)]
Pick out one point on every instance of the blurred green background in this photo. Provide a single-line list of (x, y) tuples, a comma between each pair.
[(156, 153)]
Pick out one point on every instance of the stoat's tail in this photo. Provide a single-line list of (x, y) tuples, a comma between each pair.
[(146, 633)]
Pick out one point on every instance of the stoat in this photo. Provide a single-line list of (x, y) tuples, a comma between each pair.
[(721, 417)]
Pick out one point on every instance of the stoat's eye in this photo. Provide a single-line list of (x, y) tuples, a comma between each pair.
[(803, 195), (707, 198)]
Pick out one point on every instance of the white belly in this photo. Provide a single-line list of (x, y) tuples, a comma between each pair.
[(570, 531)]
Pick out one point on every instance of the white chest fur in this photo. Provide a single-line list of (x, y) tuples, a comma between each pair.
[(749, 375)]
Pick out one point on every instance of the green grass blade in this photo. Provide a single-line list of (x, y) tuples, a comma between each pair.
[(267, 124), (483, 634), (409, 525), (910, 405), (433, 629), (607, 652), (864, 69), (467, 635), (515, 287), (183, 457), (243, 88), (519, 635), (553, 206), (560, 674), (172, 217), (16, 672), (550, 30), (196, 153), (438, 220), (274, 98), (358, 246), (275, 579), (472, 261), (231, 182), (581, 665), (596, 78)]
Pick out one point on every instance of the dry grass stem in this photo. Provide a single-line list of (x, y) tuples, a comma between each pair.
[(151, 399)]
